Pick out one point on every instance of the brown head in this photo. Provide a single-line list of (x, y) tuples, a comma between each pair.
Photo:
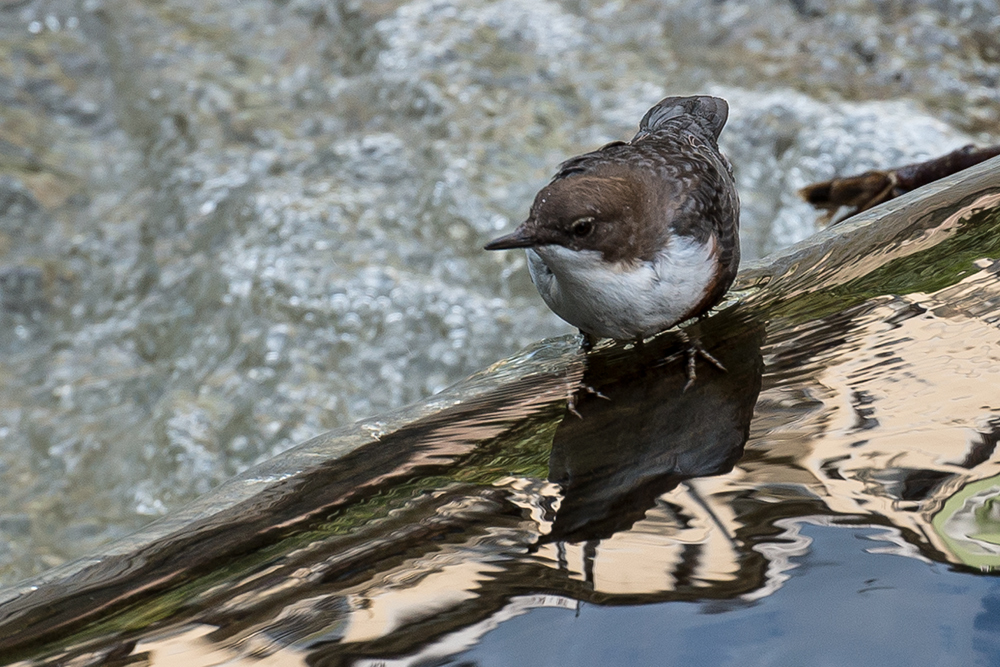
[(607, 210)]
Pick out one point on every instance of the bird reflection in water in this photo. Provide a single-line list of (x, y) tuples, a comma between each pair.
[(640, 434)]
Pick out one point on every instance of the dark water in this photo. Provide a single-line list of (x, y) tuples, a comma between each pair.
[(850, 599)]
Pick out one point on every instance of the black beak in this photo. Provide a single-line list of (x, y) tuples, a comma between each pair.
[(519, 238)]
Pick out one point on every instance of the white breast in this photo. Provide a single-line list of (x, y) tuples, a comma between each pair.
[(627, 300)]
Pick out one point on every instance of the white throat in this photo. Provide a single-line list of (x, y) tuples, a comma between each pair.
[(625, 300)]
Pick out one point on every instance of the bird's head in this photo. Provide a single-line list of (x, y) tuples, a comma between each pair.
[(605, 212)]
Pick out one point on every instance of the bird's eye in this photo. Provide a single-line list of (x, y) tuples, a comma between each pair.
[(582, 227)]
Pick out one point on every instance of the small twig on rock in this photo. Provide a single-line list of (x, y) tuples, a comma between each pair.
[(863, 191)]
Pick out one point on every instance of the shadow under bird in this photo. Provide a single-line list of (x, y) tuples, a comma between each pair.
[(636, 237)]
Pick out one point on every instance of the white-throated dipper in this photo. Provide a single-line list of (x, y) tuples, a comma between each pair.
[(633, 238)]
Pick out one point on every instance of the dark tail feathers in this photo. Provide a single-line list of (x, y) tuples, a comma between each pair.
[(702, 113)]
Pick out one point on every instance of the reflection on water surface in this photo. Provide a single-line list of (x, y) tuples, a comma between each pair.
[(835, 493)]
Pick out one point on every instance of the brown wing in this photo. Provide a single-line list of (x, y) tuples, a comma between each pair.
[(681, 132)]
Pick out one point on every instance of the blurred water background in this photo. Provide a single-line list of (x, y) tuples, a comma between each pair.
[(226, 227)]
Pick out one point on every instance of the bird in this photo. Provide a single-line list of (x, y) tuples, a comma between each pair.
[(636, 237)]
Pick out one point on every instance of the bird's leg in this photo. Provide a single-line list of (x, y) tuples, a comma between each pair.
[(695, 348), (587, 343)]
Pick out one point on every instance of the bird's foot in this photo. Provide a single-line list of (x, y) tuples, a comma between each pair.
[(572, 398), (694, 349)]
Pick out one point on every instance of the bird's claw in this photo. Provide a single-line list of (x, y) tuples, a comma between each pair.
[(586, 388), (694, 350), (594, 392)]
